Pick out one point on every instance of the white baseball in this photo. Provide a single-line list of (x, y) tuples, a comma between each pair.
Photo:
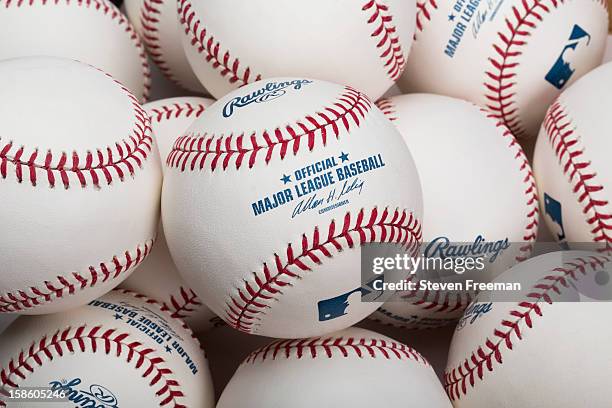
[(122, 350), (538, 347), (354, 367), (362, 43), (479, 194), (572, 162), (91, 31), (80, 181), (269, 196), (513, 56), (156, 21), (157, 277)]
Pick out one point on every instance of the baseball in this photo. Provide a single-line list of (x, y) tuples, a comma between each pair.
[(87, 354), (303, 173), (157, 277), (479, 194), (156, 21), (529, 350), (572, 164), (316, 372), (80, 180), (91, 31), (513, 57), (362, 43)]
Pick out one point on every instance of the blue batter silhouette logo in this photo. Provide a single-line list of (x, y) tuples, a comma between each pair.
[(553, 209), (337, 306), (562, 70)]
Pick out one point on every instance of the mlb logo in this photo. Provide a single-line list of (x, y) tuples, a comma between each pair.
[(562, 70), (335, 307), (554, 211)]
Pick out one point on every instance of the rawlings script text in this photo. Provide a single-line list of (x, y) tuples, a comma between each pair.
[(96, 397), (270, 91)]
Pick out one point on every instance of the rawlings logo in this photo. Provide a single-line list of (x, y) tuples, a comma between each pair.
[(473, 312), (443, 248), (269, 92), (97, 396)]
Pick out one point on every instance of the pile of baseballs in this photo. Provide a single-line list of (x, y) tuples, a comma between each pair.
[(134, 224)]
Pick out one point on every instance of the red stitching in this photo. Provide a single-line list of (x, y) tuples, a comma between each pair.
[(108, 9), (531, 193), (389, 42), (105, 165), (424, 14), (440, 303), (176, 110), (192, 151), (246, 308), (499, 81), (394, 320), (185, 305), (457, 379), (149, 18), (388, 108), (109, 341), (331, 346), (164, 308), (228, 66), (566, 145), (69, 284)]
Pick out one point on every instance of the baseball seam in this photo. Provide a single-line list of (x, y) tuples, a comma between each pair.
[(389, 43), (246, 308), (150, 15), (500, 77), (192, 151), (395, 320), (176, 110), (69, 284), (229, 67), (531, 192), (110, 10), (105, 165), (162, 308), (424, 10), (387, 107), (565, 142), (440, 303), (456, 379), (184, 304), (332, 346)]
